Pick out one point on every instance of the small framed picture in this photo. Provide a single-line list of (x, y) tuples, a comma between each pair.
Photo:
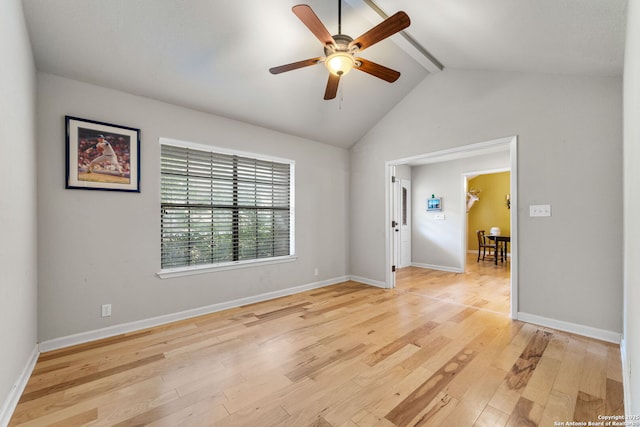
[(434, 204), (102, 156)]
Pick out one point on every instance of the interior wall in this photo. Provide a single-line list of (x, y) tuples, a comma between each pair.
[(568, 127), (102, 247), (439, 243), (491, 210), (18, 263), (631, 349)]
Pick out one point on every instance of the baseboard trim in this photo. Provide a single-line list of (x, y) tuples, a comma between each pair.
[(437, 267), (574, 328), (626, 376), (369, 282), (85, 337), (11, 401)]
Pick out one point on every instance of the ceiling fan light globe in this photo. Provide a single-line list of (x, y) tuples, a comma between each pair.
[(340, 63)]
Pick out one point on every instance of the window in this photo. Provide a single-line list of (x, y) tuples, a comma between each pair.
[(222, 208), (404, 205)]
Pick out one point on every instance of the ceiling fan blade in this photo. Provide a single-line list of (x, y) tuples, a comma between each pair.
[(377, 70), (294, 65), (386, 28), (332, 87), (313, 23)]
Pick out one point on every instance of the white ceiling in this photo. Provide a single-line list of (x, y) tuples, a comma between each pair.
[(214, 55)]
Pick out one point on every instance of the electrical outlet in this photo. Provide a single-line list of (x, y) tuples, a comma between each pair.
[(106, 310), (315, 271)]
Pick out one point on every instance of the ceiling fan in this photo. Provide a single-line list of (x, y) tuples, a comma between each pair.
[(341, 51)]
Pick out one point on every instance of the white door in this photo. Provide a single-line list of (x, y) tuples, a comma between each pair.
[(405, 223), (395, 224)]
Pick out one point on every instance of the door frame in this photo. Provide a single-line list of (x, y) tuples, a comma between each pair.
[(472, 150)]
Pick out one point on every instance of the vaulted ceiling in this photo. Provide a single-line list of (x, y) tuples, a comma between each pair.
[(214, 55)]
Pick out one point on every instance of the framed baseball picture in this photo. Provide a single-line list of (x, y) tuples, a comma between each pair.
[(102, 156)]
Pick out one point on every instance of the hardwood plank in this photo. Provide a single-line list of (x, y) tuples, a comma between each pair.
[(77, 420), (614, 402), (314, 365), (594, 374), (409, 338), (491, 417), (164, 410), (588, 407), (614, 363), (475, 398), (27, 397), (320, 422), (523, 369), (411, 406), (541, 382), (509, 354), (437, 412), (278, 313), (525, 414), (345, 355), (569, 375), (119, 405), (200, 414), (559, 407), (242, 394), (55, 354), (320, 398), (459, 317)]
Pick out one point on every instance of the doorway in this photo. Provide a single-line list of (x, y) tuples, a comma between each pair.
[(488, 205), (456, 211)]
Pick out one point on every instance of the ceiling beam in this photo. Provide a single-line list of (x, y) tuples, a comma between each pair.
[(372, 12)]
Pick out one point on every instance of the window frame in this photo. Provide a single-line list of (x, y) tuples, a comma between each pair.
[(230, 265)]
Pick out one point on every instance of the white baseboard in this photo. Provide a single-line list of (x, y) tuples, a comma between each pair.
[(626, 376), (370, 282), (11, 401), (437, 267), (574, 328), (137, 325)]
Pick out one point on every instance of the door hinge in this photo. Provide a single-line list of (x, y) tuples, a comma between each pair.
[(394, 224), (393, 268), (393, 179)]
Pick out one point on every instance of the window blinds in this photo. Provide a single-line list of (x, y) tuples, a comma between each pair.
[(220, 208)]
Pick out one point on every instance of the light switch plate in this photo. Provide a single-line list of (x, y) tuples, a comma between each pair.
[(539, 210)]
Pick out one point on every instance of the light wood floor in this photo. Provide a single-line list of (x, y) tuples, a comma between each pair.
[(439, 350)]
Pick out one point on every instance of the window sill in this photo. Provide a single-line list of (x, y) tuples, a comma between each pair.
[(210, 268)]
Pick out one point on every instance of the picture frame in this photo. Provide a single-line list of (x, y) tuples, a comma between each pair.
[(101, 156), (434, 204)]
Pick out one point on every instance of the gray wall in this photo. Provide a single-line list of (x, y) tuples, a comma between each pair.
[(631, 350), (436, 243), (18, 269), (103, 247), (569, 132)]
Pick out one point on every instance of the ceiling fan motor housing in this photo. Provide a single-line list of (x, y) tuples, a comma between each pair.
[(339, 56)]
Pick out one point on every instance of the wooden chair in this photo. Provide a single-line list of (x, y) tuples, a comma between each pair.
[(483, 245)]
